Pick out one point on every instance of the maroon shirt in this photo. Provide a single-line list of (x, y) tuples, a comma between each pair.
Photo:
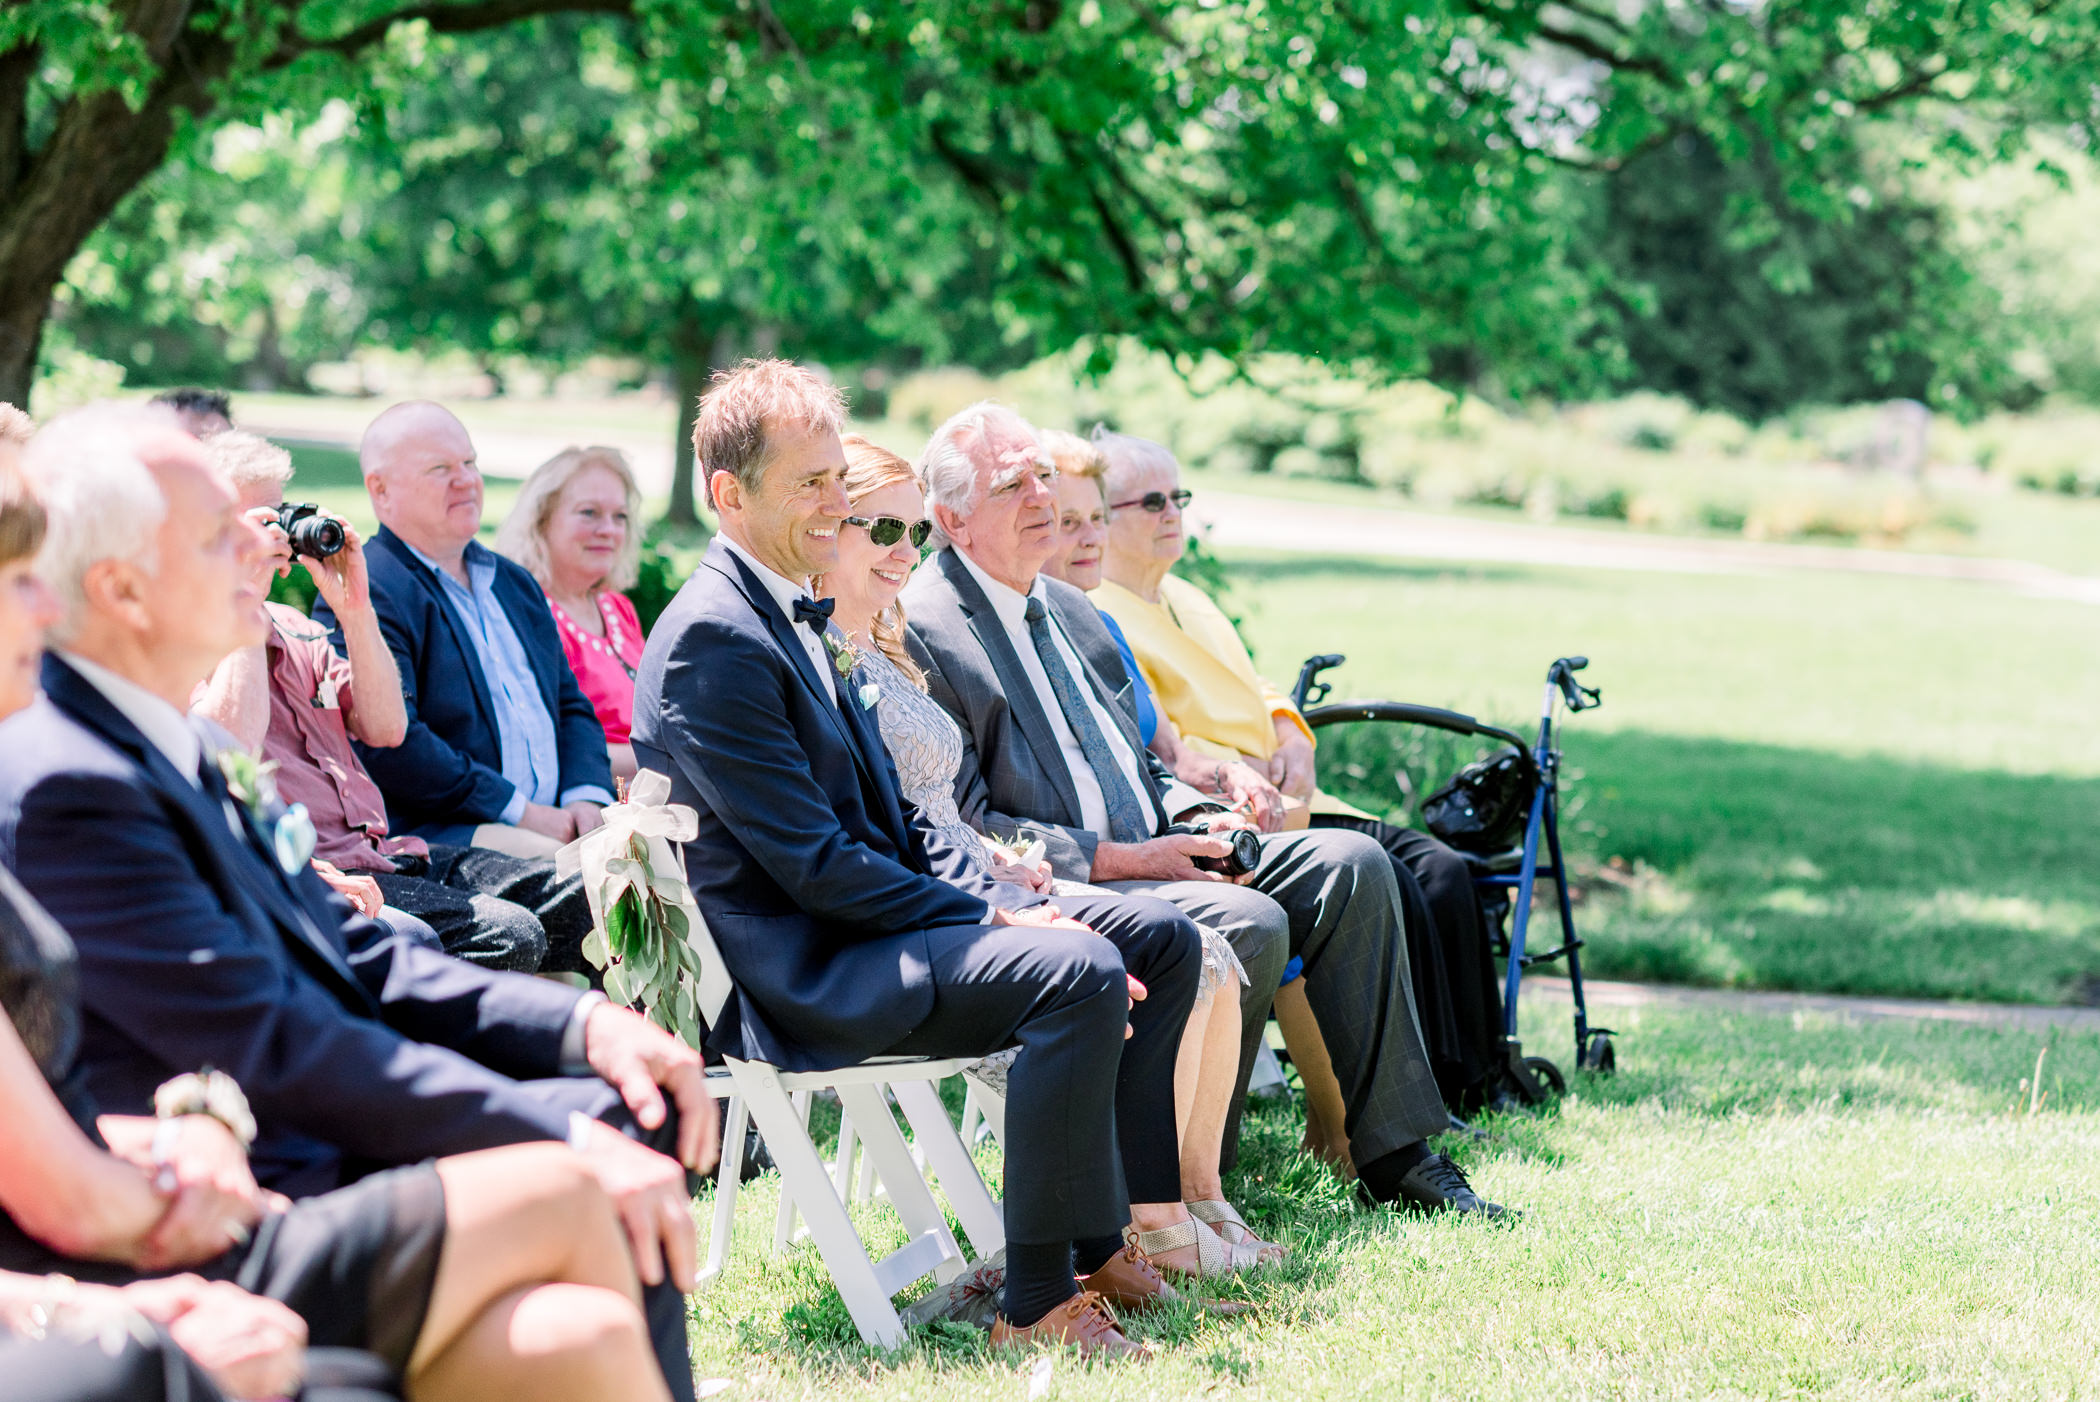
[(309, 742)]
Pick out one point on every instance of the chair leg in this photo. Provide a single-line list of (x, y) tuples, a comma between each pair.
[(949, 1157), (729, 1181), (784, 1220), (802, 1173), (842, 1165), (901, 1176)]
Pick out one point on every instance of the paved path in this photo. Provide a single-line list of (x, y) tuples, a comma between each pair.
[(1277, 523), (1604, 995), (512, 446)]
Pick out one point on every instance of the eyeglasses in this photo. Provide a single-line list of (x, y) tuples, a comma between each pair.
[(1156, 502), (886, 531)]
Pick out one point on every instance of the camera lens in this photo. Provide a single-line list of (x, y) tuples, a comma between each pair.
[(309, 532)]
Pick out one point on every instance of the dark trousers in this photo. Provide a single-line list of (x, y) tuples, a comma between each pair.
[(1457, 996), (495, 910), (154, 1369), (1089, 1116)]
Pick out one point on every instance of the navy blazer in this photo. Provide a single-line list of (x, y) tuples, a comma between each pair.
[(197, 949), (446, 778), (817, 879)]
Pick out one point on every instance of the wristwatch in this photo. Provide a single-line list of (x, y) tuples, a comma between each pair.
[(208, 1092)]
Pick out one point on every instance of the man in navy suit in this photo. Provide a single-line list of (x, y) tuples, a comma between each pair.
[(503, 749), (824, 889), (205, 937)]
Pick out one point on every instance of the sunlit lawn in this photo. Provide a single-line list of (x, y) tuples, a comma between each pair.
[(1754, 1206)]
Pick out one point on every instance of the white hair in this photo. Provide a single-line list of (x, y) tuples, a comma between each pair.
[(949, 465), (1128, 456), (101, 501), (247, 460)]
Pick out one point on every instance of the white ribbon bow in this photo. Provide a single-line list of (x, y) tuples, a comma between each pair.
[(604, 856)]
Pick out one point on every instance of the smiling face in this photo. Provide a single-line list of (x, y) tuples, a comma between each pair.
[(426, 484), (1082, 528), (869, 576), (1140, 542), (791, 521), (1012, 529), (587, 530)]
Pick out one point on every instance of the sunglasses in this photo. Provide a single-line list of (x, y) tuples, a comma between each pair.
[(886, 531), (1156, 502)]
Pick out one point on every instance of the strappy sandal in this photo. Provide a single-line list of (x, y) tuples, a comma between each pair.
[(1232, 1229), (1214, 1256)]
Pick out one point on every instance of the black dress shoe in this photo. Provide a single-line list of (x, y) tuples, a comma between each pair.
[(1438, 1185)]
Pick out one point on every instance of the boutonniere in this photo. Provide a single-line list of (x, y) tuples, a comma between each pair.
[(869, 695), (843, 656), (252, 784)]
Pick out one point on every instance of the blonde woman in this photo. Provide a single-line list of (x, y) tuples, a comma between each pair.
[(876, 555), (576, 525)]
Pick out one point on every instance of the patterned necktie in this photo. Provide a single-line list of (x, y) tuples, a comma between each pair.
[(1126, 816)]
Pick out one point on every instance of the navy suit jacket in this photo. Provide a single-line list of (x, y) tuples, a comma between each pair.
[(446, 778), (197, 949), (817, 879)]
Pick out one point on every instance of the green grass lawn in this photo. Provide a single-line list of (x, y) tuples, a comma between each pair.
[(1754, 1206), (1824, 782)]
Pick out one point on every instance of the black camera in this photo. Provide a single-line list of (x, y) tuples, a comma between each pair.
[(1244, 857), (309, 531)]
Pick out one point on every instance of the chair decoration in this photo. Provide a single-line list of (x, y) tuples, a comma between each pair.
[(645, 927)]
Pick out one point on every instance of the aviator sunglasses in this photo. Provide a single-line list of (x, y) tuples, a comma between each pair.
[(1156, 502), (888, 530)]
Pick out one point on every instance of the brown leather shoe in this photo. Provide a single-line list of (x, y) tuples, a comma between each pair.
[(1130, 1281), (1084, 1322)]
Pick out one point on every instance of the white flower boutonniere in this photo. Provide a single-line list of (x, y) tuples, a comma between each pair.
[(843, 657), (252, 783)]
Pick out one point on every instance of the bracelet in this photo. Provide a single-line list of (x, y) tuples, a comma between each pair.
[(212, 1093)]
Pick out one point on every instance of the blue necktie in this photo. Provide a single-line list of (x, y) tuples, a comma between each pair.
[(1126, 816)]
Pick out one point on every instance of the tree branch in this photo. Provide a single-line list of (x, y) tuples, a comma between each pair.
[(445, 19)]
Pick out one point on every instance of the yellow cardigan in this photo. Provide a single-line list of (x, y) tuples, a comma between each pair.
[(1199, 671)]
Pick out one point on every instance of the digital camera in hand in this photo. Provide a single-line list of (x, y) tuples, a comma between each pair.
[(1244, 857), (310, 530)]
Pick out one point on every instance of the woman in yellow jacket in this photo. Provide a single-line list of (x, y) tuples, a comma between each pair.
[(1241, 737)]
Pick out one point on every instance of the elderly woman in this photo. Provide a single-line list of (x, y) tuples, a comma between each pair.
[(576, 527), (500, 1274), (876, 555), (1241, 736)]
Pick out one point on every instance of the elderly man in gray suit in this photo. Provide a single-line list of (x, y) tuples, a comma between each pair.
[(1051, 751)]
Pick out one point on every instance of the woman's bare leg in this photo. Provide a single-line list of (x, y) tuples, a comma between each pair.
[(522, 1223), (1188, 1073), (1326, 1135), (1203, 1124), (547, 1342)]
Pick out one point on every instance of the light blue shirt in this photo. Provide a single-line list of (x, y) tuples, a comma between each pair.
[(531, 750)]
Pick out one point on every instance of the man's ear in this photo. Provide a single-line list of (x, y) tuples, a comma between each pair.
[(952, 526), (375, 488), (725, 492), (118, 588)]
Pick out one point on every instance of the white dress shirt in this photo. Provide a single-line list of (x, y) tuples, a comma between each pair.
[(1012, 610), (168, 729), (785, 591)]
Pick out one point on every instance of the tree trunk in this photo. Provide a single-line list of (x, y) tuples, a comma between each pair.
[(696, 354)]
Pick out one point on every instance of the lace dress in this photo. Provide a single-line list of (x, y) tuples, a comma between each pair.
[(926, 746)]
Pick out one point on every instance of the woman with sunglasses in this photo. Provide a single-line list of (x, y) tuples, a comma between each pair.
[(877, 552)]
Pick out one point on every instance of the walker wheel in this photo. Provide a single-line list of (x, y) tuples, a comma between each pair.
[(1547, 1073), (1597, 1054)]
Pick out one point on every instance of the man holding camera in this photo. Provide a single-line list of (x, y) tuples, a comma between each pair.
[(1050, 748), (298, 702)]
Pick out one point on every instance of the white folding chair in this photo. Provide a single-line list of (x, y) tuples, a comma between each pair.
[(778, 1102)]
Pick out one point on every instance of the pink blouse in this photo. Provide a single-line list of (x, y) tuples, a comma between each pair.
[(605, 666)]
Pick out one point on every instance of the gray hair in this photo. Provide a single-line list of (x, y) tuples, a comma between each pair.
[(523, 534), (247, 460), (948, 467), (1127, 456), (101, 501), (731, 429)]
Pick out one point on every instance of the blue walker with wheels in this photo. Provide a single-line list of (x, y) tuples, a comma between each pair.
[(1479, 809)]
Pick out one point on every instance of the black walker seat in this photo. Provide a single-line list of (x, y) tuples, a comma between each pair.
[(1506, 877)]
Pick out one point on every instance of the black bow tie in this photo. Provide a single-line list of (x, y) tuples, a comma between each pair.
[(815, 612)]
